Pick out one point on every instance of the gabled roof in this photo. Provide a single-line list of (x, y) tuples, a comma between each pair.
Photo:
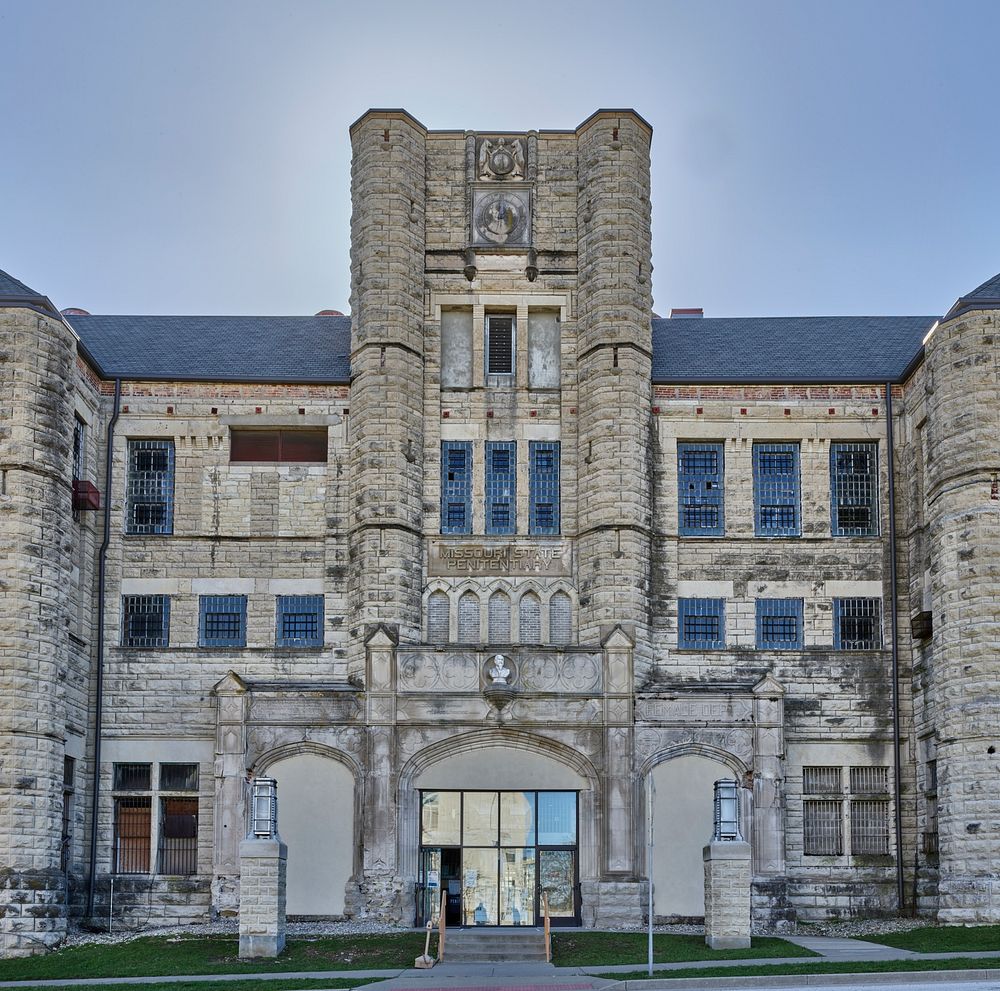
[(717, 350), (220, 349), (988, 294), (11, 288)]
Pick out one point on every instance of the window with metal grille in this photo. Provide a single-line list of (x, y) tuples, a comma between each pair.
[(701, 623), (854, 490), (776, 490), (145, 620), (438, 617), (456, 486), (700, 489), (469, 626), (498, 611), (869, 780), (133, 821), (529, 618), (869, 826), (269, 446), (822, 828), (822, 780), (501, 487), (79, 446), (779, 624), (560, 618), (178, 777), (543, 487), (299, 621), (178, 847), (500, 345), (222, 621), (857, 624), (149, 487), (132, 777)]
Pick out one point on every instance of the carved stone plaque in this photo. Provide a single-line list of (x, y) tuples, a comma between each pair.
[(501, 217), (500, 159), (466, 558)]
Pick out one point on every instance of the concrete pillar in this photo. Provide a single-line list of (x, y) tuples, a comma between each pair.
[(727, 895), (263, 871)]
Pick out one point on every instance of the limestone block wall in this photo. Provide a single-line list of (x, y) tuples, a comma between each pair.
[(961, 679), (36, 561)]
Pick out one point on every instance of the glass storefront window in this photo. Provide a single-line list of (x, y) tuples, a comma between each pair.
[(556, 818), (479, 887), (441, 818), (481, 823), (517, 818), (517, 887)]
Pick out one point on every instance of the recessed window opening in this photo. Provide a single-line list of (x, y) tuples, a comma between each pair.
[(500, 338), (278, 446)]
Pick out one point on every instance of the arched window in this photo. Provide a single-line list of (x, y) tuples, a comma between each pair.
[(438, 618), (499, 614), (529, 614), (468, 618), (560, 618)]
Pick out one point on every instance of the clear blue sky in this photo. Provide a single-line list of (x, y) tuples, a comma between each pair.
[(192, 156)]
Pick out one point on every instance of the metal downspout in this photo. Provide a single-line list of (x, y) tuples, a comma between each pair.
[(897, 762), (99, 683)]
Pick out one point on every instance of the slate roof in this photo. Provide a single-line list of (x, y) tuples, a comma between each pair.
[(786, 349), (11, 287), (990, 290), (228, 349)]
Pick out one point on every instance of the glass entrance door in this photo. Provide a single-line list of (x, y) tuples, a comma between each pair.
[(557, 879)]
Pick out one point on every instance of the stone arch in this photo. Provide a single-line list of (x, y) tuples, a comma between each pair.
[(498, 613), (560, 617), (317, 823), (470, 620), (438, 612), (529, 617)]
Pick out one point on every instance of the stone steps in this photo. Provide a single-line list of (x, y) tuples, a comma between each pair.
[(494, 946)]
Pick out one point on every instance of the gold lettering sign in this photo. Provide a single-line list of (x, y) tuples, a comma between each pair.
[(464, 559)]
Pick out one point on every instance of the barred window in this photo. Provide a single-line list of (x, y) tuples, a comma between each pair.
[(776, 490), (700, 489), (498, 609), (79, 446), (133, 820), (178, 777), (438, 617), (822, 781), (869, 826), (529, 618), (857, 624), (178, 846), (299, 621), (822, 832), (469, 629), (779, 624), (854, 490), (869, 780), (149, 487), (500, 345), (501, 487), (560, 618), (543, 487), (701, 623), (456, 486), (222, 621), (145, 620), (132, 777)]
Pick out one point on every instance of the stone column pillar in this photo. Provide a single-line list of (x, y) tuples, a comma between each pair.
[(263, 868), (230, 791), (727, 895)]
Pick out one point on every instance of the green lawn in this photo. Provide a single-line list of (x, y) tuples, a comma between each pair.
[(249, 985), (153, 956), (943, 939), (845, 967), (593, 949)]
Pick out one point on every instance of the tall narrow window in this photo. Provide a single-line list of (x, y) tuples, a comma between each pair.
[(500, 345), (438, 617), (79, 446), (178, 846), (779, 624), (133, 819), (498, 609), (854, 490), (501, 487), (699, 490), (469, 626), (776, 489), (222, 621), (145, 620), (560, 618), (529, 618), (857, 624), (543, 485), (701, 623), (456, 486), (149, 487), (822, 817), (299, 621)]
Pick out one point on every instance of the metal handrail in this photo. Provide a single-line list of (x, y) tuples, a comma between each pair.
[(548, 929)]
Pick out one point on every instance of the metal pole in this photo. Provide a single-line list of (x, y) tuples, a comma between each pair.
[(649, 877)]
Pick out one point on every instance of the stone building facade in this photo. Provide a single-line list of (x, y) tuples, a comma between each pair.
[(497, 576)]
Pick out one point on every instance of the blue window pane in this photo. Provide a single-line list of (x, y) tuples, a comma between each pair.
[(700, 489), (543, 485), (779, 624), (149, 487), (556, 818), (857, 624), (776, 489), (299, 621), (222, 621), (854, 490), (456, 486), (701, 623), (501, 487)]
